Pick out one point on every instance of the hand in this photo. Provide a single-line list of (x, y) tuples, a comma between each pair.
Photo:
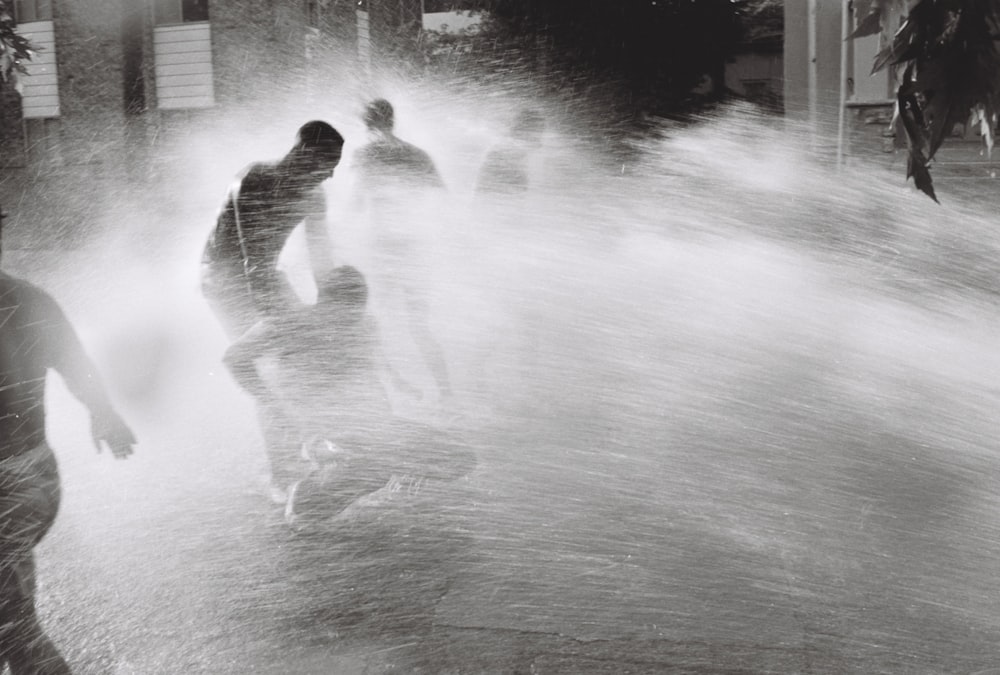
[(109, 429)]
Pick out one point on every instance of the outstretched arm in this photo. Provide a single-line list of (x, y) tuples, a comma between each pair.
[(68, 358)]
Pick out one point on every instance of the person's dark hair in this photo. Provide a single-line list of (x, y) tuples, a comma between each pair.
[(379, 115), (318, 135), (344, 285)]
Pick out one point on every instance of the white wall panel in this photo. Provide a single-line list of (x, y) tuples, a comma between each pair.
[(183, 66), (40, 97)]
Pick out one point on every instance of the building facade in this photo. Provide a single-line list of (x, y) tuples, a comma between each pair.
[(109, 79), (828, 83), (99, 63)]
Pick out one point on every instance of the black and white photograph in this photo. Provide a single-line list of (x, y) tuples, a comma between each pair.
[(500, 337)]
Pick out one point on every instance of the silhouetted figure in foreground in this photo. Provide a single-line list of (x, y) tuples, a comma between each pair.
[(240, 277), (36, 336)]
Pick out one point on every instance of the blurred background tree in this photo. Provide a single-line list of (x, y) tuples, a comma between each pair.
[(657, 57), (14, 49), (948, 56)]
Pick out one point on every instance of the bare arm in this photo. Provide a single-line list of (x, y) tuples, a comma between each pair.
[(68, 358), (241, 359), (318, 238)]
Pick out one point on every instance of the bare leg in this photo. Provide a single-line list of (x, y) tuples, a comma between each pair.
[(429, 347), (283, 443), (29, 501), (23, 643)]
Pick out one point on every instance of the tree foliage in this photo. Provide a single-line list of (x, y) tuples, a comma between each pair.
[(948, 55), (760, 19), (660, 49), (14, 48), (655, 51)]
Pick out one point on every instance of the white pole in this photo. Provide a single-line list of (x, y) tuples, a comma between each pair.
[(845, 24), (813, 75), (364, 42)]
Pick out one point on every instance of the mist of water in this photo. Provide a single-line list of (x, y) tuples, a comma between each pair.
[(721, 377)]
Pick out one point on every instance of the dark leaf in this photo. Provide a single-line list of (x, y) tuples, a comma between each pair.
[(912, 119), (916, 166), (870, 25), (905, 46)]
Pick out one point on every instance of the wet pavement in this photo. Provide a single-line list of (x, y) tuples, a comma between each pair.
[(546, 560), (738, 492)]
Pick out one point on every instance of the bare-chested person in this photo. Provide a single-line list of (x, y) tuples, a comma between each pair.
[(36, 336), (240, 276)]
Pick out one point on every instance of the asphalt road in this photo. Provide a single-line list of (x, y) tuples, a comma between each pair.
[(819, 542), (765, 473)]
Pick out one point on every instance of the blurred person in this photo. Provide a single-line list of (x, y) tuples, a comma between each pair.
[(386, 157), (505, 189), (506, 168), (240, 276), (328, 371), (313, 353), (394, 179), (36, 336)]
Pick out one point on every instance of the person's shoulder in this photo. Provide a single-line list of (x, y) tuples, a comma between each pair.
[(415, 152), (368, 152), (252, 170), (257, 174), (11, 291), (8, 281), (419, 162), (11, 285), (22, 295)]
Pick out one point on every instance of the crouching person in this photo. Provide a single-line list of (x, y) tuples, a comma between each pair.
[(329, 375)]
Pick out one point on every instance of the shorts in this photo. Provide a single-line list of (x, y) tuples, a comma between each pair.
[(29, 502), (230, 300), (234, 304)]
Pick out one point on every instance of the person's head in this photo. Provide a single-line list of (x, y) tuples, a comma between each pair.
[(344, 291), (379, 115), (318, 148)]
